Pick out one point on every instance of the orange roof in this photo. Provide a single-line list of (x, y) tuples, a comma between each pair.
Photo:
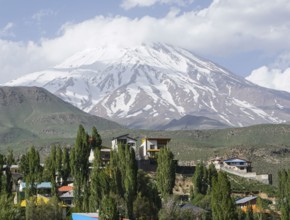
[(65, 188)]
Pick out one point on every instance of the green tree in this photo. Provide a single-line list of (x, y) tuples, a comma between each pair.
[(10, 158), (65, 166), (284, 194), (50, 169), (130, 179), (171, 210), (99, 182), (50, 211), (8, 210), (8, 181), (223, 207), (115, 174), (96, 140), (108, 209), (58, 164), (147, 189), (165, 174), (212, 174), (34, 171), (142, 208), (80, 167), (1, 173), (200, 179)]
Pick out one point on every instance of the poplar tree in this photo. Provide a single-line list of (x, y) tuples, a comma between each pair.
[(108, 210), (123, 169), (284, 194), (1, 173), (80, 167), (10, 158), (58, 163), (95, 187), (200, 179), (130, 179), (212, 174), (147, 202), (165, 174), (223, 207), (96, 140), (50, 169), (115, 173), (34, 171), (65, 166)]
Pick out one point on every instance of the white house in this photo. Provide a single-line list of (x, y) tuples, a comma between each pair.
[(105, 155), (122, 141), (151, 146)]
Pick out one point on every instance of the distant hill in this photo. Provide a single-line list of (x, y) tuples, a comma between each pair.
[(191, 122), (32, 114)]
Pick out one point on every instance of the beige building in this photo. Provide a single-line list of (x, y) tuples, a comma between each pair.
[(151, 146)]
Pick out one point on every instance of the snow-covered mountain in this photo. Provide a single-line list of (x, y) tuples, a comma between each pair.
[(147, 86)]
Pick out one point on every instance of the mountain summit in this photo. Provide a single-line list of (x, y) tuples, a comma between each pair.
[(147, 86)]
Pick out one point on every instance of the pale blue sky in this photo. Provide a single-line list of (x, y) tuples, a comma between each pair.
[(33, 19), (240, 35)]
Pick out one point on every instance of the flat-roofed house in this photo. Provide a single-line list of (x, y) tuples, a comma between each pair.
[(151, 146)]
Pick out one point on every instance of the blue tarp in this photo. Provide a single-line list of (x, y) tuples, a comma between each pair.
[(85, 216)]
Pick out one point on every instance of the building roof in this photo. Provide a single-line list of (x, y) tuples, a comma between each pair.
[(43, 185), (151, 138), (238, 160), (65, 188), (124, 136), (245, 200), (69, 194)]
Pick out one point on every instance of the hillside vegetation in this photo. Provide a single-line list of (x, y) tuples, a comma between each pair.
[(31, 115)]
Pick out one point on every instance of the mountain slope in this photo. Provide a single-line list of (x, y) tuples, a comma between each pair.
[(149, 85), (190, 122), (28, 113)]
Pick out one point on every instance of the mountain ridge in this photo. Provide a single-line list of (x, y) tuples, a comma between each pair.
[(147, 86), (30, 113)]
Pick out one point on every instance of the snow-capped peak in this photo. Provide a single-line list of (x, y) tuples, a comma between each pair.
[(149, 85)]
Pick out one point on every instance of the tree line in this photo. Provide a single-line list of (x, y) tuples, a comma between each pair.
[(119, 189)]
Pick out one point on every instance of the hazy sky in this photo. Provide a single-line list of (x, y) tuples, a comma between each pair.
[(248, 37)]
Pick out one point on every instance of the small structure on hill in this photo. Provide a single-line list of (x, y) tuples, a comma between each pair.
[(240, 167), (238, 164)]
